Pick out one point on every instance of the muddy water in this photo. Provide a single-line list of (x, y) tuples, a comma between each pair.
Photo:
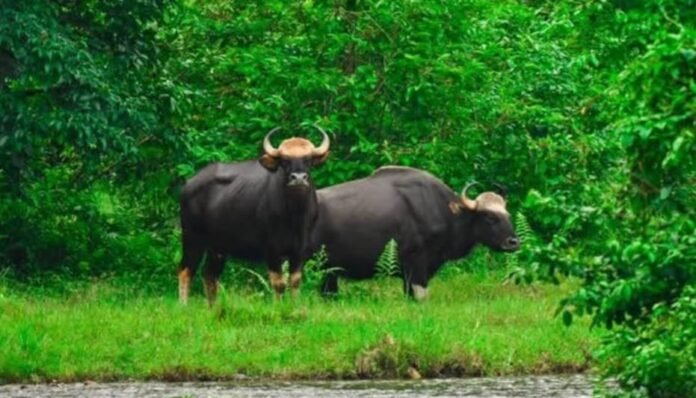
[(574, 386)]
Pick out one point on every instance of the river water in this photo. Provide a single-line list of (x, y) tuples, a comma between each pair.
[(566, 386)]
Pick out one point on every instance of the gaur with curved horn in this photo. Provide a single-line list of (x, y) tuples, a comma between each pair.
[(258, 210), (430, 223)]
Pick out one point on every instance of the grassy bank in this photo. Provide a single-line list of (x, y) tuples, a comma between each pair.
[(471, 325)]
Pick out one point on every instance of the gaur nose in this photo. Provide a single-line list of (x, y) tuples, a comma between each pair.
[(299, 177), (513, 242)]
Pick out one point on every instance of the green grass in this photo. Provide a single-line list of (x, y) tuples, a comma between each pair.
[(471, 325)]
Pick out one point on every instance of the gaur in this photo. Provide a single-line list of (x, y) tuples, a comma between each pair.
[(429, 222), (257, 210)]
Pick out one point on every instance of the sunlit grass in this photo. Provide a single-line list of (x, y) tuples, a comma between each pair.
[(473, 324)]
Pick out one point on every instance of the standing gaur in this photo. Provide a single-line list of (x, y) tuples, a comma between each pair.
[(430, 223), (257, 210)]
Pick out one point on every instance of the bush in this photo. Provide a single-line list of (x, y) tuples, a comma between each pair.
[(657, 358), (91, 231)]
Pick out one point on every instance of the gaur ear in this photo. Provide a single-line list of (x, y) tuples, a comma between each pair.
[(269, 162), (320, 159)]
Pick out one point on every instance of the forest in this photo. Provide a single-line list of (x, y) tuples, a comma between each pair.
[(583, 110)]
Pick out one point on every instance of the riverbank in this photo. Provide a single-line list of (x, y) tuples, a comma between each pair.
[(472, 325), (566, 386)]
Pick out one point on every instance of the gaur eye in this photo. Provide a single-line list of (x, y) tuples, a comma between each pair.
[(491, 219)]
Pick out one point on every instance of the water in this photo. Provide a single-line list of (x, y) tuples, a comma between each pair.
[(567, 386)]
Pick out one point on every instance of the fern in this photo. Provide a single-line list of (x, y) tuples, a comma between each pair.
[(388, 262), (524, 231), (515, 262)]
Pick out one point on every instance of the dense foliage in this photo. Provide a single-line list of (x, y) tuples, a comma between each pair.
[(585, 110), (84, 116)]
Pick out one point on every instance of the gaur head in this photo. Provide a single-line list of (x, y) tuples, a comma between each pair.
[(295, 157), (491, 221)]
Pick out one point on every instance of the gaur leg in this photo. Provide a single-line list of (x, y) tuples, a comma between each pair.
[(415, 274), (275, 275), (215, 263), (192, 254), (296, 265), (329, 286)]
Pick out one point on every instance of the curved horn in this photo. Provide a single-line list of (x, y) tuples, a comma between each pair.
[(268, 147), (324, 147), (468, 203)]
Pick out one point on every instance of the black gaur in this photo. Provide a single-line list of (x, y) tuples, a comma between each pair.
[(430, 223), (258, 210)]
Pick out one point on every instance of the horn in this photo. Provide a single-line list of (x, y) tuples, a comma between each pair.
[(268, 147), (468, 203), (324, 147), (500, 189)]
